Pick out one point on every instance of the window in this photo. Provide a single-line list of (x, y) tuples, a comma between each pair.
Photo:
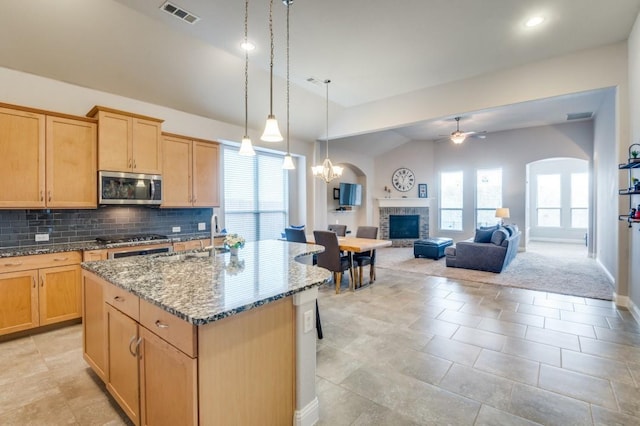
[(451, 201), (579, 200), (549, 200), (255, 195), (488, 196)]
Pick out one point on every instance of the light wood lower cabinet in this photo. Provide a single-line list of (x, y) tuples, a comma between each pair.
[(60, 294), (123, 349), (191, 245), (163, 370), (32, 294), (19, 301), (168, 383)]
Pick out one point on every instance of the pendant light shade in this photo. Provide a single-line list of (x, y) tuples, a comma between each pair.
[(287, 164), (246, 148), (271, 131), (327, 171)]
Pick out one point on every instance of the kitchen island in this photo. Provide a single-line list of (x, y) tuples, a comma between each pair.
[(202, 338)]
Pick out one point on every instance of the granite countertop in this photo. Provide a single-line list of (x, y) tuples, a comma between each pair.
[(91, 245), (200, 288)]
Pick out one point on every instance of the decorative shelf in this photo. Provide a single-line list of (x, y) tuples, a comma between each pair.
[(627, 192), (630, 165)]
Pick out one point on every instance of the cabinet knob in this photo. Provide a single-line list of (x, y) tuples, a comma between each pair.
[(13, 264), (41, 281), (130, 163), (49, 195), (134, 164), (60, 259), (41, 195), (34, 282), (118, 299)]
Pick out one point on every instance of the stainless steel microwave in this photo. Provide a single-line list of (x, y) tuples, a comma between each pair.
[(129, 188)]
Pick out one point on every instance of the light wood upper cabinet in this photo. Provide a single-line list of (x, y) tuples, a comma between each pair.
[(71, 150), (46, 160), (22, 159), (191, 175), (128, 142)]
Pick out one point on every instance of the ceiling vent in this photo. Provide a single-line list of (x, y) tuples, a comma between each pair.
[(179, 13), (314, 80), (579, 115)]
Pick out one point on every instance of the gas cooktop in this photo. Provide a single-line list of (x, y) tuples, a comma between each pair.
[(114, 239)]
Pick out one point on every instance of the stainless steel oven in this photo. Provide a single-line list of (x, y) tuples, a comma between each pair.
[(129, 188), (138, 251)]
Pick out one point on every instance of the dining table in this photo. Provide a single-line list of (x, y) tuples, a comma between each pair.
[(358, 245)]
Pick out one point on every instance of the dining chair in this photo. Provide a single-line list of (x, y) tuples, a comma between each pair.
[(296, 235), (331, 258), (367, 257), (340, 230)]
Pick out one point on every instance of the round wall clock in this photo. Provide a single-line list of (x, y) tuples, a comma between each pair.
[(403, 179)]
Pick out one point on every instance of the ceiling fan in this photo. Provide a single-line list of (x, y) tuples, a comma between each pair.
[(458, 137)]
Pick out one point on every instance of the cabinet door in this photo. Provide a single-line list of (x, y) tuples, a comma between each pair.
[(176, 172), (147, 148), (94, 326), (18, 301), (60, 295), (22, 159), (114, 142), (168, 383), (122, 384), (206, 192), (71, 149)]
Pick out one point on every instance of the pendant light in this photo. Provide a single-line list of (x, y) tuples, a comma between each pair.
[(246, 148), (271, 130), (288, 161), (327, 171)]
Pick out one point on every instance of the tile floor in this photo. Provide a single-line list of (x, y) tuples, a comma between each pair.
[(409, 350)]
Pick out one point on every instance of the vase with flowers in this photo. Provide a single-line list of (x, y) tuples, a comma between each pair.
[(234, 242)]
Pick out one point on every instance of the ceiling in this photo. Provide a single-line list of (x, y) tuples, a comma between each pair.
[(370, 49)]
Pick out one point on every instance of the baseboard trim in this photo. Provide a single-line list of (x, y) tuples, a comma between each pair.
[(633, 308), (309, 415), (612, 280)]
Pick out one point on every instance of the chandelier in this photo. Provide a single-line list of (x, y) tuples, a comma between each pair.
[(327, 171)]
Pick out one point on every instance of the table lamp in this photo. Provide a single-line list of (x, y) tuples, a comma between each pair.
[(502, 213)]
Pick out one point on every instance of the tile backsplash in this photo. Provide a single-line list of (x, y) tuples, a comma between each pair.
[(19, 227)]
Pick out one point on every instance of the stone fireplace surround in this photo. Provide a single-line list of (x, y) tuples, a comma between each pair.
[(411, 207)]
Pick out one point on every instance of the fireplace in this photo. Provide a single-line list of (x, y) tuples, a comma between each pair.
[(404, 226), (416, 224)]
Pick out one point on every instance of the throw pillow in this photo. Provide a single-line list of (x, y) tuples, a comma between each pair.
[(483, 235), (509, 229), (498, 236), (296, 226)]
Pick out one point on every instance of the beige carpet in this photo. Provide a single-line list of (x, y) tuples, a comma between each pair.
[(558, 268)]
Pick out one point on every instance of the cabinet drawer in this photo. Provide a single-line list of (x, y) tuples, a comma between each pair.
[(122, 300), (37, 261), (191, 245), (174, 330)]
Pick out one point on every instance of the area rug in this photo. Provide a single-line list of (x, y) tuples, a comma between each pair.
[(557, 268)]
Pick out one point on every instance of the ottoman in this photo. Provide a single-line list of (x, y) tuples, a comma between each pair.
[(433, 248)]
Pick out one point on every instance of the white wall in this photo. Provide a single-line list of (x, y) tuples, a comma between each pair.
[(605, 179), (631, 250)]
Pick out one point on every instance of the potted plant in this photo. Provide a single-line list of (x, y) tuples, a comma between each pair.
[(234, 242), (635, 156)]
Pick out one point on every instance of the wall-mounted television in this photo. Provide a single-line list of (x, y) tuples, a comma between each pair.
[(350, 194)]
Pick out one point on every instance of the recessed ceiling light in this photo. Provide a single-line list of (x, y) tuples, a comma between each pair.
[(247, 45), (534, 21)]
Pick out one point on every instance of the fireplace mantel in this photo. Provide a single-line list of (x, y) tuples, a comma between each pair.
[(404, 202)]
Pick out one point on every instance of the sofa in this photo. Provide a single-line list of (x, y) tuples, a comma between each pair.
[(491, 249)]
